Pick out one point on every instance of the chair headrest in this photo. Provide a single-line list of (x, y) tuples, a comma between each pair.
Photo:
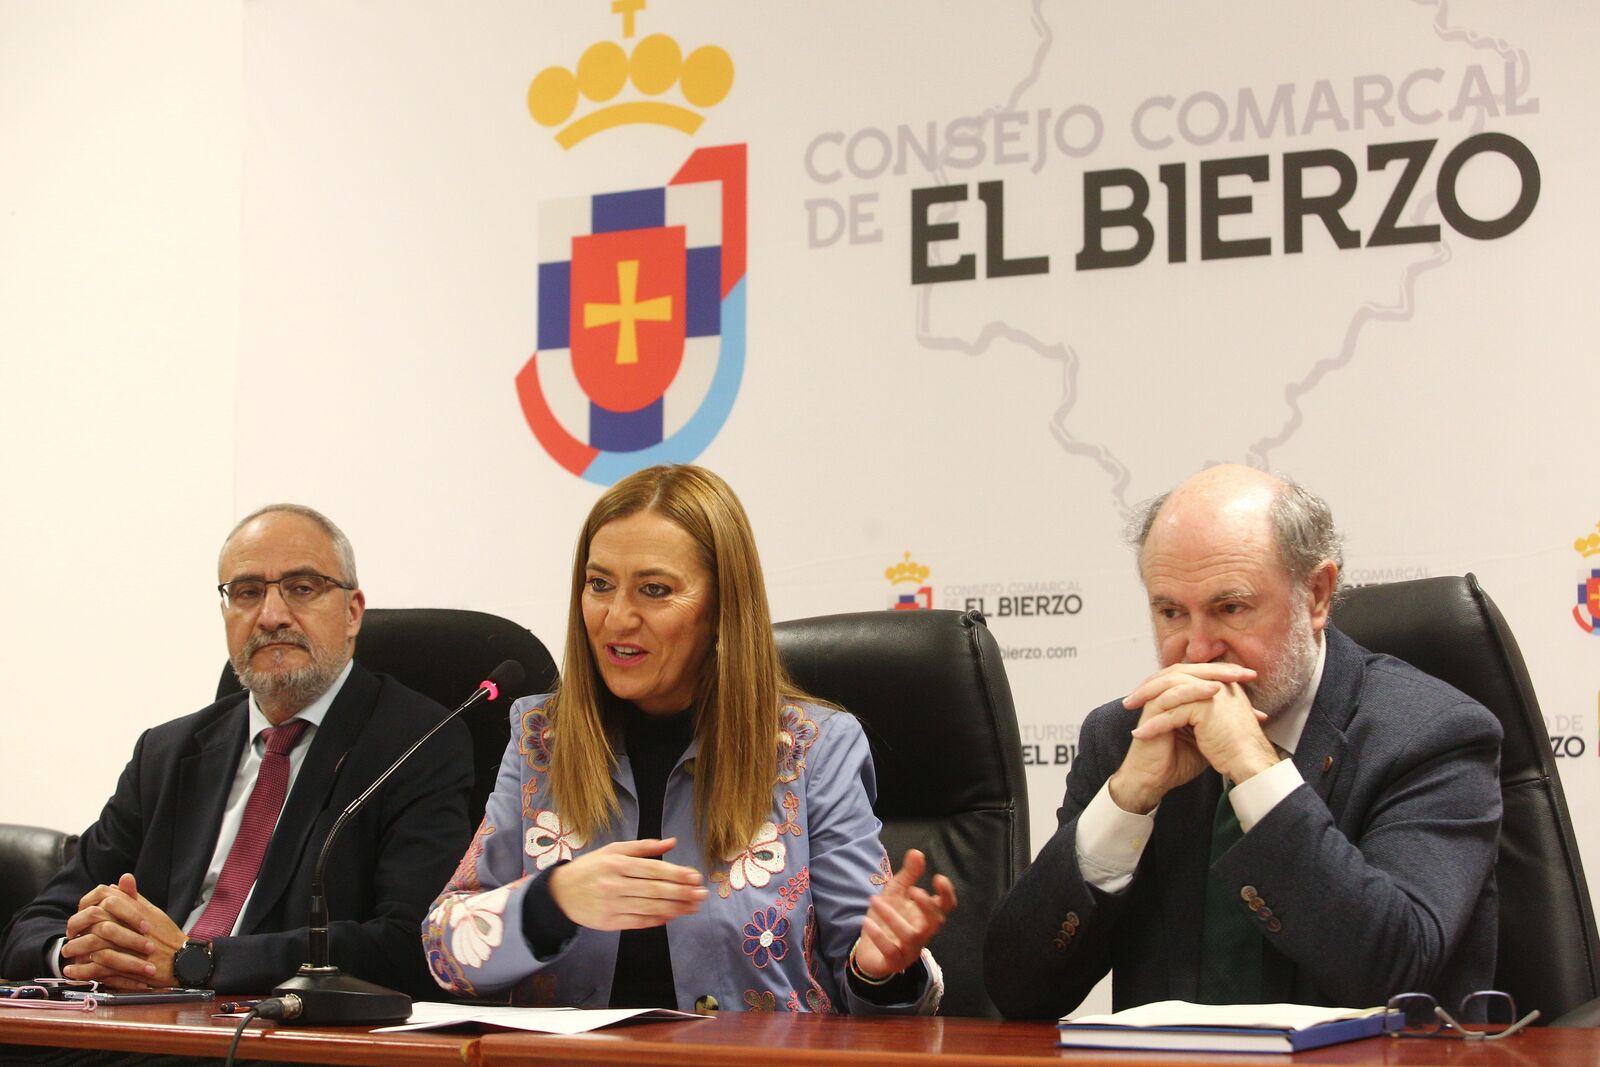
[(931, 693)]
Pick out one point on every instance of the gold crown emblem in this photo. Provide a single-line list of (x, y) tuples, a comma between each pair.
[(704, 77), (1588, 546), (907, 570)]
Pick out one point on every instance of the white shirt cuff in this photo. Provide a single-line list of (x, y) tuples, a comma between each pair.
[(55, 958), (1257, 795), (1110, 841)]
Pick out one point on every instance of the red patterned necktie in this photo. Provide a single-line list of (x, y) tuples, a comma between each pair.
[(255, 831)]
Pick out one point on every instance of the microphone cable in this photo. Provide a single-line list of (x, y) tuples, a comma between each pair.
[(286, 1007)]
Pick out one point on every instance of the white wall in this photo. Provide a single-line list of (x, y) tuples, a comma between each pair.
[(121, 133)]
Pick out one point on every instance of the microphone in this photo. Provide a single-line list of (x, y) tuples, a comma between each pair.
[(320, 993)]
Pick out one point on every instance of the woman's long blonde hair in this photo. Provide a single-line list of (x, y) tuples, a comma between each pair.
[(741, 686)]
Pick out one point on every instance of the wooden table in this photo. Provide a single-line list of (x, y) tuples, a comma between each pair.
[(737, 1040), (732, 1040), (190, 1030)]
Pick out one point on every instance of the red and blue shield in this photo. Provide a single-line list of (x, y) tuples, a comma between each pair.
[(641, 326), (1588, 597), (921, 600)]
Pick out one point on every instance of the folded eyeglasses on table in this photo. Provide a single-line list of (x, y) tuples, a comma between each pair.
[(1419, 1015)]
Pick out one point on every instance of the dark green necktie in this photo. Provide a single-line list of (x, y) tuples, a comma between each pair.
[(1230, 946)]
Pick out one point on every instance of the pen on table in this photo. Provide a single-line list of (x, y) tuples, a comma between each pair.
[(228, 1007)]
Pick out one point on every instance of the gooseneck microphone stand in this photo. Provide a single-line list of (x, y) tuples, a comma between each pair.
[(320, 994)]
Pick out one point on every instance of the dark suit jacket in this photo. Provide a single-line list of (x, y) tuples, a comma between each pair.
[(1379, 870), (387, 864)]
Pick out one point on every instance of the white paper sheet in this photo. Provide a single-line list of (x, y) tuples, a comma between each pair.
[(427, 1015)]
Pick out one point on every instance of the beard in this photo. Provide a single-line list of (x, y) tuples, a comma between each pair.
[(297, 687), (1287, 676)]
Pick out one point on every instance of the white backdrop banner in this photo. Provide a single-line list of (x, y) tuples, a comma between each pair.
[(942, 290)]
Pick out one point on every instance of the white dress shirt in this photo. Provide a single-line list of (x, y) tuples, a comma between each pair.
[(244, 783)]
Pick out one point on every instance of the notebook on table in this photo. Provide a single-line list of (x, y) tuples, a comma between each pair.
[(1179, 1026)]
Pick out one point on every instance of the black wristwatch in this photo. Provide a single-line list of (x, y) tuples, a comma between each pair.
[(191, 964)]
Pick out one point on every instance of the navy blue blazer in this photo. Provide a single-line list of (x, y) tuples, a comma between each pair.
[(1378, 871), (386, 866)]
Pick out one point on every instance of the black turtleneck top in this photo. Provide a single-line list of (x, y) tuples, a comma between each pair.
[(643, 978)]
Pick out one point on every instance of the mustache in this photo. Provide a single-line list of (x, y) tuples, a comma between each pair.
[(258, 641)]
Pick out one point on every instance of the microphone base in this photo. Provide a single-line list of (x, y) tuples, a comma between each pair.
[(333, 998)]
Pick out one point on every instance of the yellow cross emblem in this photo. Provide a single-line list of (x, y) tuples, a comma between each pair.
[(628, 311)]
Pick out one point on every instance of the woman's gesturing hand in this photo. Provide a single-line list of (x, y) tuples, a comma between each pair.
[(901, 920), (622, 886)]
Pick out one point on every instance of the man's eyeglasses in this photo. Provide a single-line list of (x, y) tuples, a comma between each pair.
[(1419, 1015), (298, 590)]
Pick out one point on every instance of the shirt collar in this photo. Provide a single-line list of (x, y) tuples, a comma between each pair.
[(1284, 730), (312, 713)]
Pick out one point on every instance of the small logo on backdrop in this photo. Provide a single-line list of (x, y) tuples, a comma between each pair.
[(1587, 611), (641, 305), (909, 581)]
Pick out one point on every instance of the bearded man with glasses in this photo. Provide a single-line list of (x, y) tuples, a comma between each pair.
[(198, 871)]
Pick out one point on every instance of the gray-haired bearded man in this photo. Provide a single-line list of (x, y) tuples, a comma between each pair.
[(1276, 814)]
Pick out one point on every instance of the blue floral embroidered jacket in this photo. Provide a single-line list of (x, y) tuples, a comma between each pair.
[(781, 916)]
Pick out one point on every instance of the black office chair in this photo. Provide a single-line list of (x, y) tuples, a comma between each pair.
[(932, 696), (30, 856), (444, 653), (1549, 955)]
